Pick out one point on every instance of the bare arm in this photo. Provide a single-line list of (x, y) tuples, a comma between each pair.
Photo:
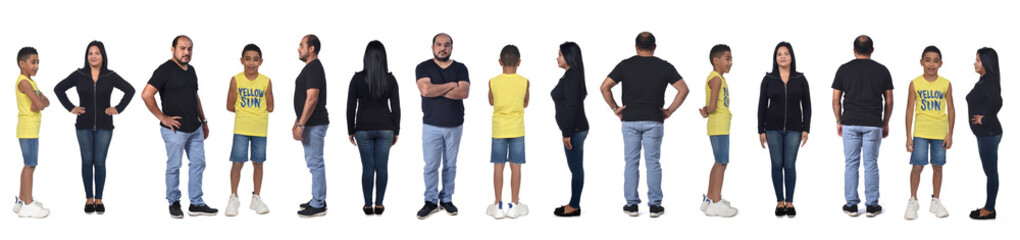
[(910, 113), (232, 94), (310, 101), (952, 117), (269, 97), (492, 100), (681, 95), (149, 97), (459, 92), (888, 107), (716, 85), (428, 89), (837, 106), (527, 93), (38, 103), (607, 93)]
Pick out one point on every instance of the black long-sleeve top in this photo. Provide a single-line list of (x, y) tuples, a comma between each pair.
[(367, 113), (568, 96), (985, 99), (784, 106), (94, 97)]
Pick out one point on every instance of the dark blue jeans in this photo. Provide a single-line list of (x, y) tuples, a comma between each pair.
[(374, 146), (988, 149), (94, 144), (783, 146), (575, 161)]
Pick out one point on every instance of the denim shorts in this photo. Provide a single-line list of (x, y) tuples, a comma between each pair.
[(721, 148), (239, 152), (508, 150), (924, 146), (30, 151)]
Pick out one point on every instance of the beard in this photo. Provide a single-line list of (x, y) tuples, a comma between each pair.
[(447, 58), (303, 57), (182, 60)]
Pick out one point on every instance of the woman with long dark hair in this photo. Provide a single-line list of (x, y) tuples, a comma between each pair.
[(983, 104), (784, 119), (568, 96), (373, 122), (95, 83)]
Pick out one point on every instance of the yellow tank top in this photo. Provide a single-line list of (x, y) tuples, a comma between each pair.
[(718, 121), (28, 120), (930, 119), (508, 92), (250, 115)]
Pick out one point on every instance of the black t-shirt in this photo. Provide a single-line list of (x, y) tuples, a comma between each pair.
[(863, 82), (312, 76), (644, 81), (178, 94), (441, 111)]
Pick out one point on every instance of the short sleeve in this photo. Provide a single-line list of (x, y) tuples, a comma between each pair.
[(888, 83), (672, 75), (617, 73), (315, 78), (158, 79), (462, 73), (837, 82), (421, 72)]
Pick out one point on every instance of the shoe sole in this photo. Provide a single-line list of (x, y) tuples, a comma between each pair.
[(871, 215), (852, 214), (196, 214), (632, 214), (313, 215), (655, 215), (176, 216), (429, 214), (448, 212)]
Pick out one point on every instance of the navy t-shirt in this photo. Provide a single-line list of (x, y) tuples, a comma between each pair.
[(441, 111), (644, 81), (863, 82), (178, 94)]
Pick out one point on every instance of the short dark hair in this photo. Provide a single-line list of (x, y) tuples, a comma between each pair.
[(25, 53), (251, 47), (863, 45), (931, 49), (717, 51), (313, 41), (645, 41), (174, 43), (442, 34), (510, 56)]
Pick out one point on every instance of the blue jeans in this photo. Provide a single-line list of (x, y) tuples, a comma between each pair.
[(638, 134), (922, 147), (94, 144), (720, 148), (29, 151), (783, 147), (374, 147), (988, 149), (508, 150), (861, 141), (193, 144), (240, 148), (314, 141), (575, 161), (440, 144)]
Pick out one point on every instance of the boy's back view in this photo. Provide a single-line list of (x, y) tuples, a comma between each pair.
[(508, 94)]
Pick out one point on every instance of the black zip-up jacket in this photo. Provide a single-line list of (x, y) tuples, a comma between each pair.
[(94, 96), (985, 99), (784, 106), (568, 97)]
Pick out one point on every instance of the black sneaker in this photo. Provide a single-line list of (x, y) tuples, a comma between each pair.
[(874, 210), (175, 210), (449, 207), (655, 211), (201, 210), (427, 210), (90, 208), (309, 204), (631, 210), (310, 211), (100, 209), (851, 210)]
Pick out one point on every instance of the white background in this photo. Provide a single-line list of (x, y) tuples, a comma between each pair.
[(138, 35)]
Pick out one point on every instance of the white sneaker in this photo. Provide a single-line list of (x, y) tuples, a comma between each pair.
[(33, 210), (232, 204), (720, 209), (496, 210), (937, 208), (17, 204), (516, 210), (912, 207), (704, 202), (257, 205)]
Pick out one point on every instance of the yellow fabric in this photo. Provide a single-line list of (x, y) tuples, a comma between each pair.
[(28, 120), (719, 120), (508, 91), (250, 115), (930, 119)]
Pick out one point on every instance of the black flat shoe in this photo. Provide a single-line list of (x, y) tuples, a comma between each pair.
[(100, 209), (780, 211), (560, 212), (791, 212), (379, 210), (368, 210), (976, 215), (90, 208)]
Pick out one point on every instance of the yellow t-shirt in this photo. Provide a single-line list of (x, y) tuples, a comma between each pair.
[(508, 91), (930, 119), (28, 120), (250, 115), (718, 121)]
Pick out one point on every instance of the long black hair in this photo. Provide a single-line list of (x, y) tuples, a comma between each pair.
[(775, 62), (375, 69), (990, 61), (102, 51), (572, 55)]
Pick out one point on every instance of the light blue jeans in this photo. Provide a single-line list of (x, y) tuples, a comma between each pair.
[(177, 143), (313, 142), (440, 145), (858, 142), (638, 134)]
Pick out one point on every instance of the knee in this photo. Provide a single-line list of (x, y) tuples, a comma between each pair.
[(236, 167), (915, 170)]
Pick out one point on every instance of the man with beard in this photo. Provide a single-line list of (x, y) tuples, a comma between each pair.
[(312, 121)]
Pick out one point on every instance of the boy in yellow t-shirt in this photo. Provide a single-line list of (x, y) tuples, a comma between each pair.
[(508, 94), (31, 102), (717, 110), (251, 100), (930, 96)]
